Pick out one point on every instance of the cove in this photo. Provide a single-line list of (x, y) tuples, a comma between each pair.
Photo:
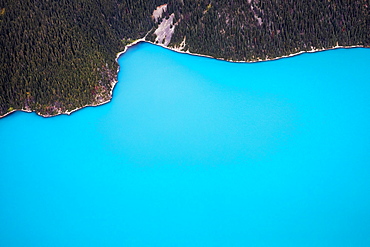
[(198, 152)]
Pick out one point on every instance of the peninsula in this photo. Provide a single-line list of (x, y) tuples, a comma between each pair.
[(59, 56)]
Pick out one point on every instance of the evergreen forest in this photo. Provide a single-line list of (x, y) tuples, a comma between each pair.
[(59, 55)]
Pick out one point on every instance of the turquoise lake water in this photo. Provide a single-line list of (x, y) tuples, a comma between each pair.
[(198, 152)]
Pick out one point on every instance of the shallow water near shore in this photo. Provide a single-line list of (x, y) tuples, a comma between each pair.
[(198, 152)]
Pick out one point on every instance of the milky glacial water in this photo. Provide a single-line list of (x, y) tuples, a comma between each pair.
[(198, 152)]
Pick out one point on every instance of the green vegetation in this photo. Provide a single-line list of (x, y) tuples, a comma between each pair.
[(58, 55), (238, 30)]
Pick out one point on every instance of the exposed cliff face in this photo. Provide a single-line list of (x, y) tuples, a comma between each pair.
[(59, 56)]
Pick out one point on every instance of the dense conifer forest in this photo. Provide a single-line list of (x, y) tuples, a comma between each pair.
[(248, 30), (59, 55)]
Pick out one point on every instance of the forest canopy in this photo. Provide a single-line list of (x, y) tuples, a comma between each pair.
[(59, 55)]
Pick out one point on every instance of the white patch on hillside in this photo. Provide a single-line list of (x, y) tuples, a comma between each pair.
[(255, 13), (259, 20), (182, 45), (158, 12), (165, 30)]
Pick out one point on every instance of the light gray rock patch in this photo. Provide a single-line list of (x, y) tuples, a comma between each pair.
[(165, 30)]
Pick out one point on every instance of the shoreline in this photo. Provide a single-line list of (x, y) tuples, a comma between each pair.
[(178, 51), (66, 112), (258, 59)]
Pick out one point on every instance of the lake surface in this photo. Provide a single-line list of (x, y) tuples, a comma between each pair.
[(198, 152)]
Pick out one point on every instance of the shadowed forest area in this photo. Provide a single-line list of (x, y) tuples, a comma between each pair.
[(60, 55)]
